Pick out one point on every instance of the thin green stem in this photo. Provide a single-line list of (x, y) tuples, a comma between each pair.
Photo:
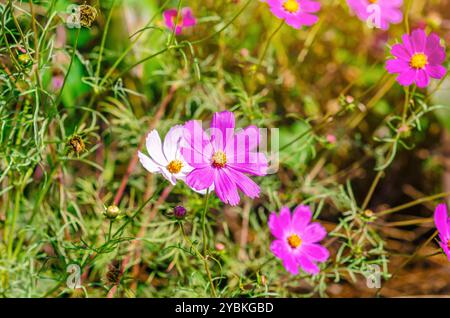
[(66, 76), (102, 45), (226, 25), (205, 244), (175, 25), (413, 203), (266, 47), (205, 210)]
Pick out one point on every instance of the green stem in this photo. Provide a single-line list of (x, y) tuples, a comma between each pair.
[(205, 244), (102, 45), (269, 40), (120, 229), (205, 210), (172, 36), (58, 99), (225, 26), (413, 203)]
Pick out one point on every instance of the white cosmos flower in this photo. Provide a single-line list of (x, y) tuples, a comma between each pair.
[(165, 158)]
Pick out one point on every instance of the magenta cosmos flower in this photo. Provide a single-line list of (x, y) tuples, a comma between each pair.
[(297, 240), (222, 158), (295, 13), (186, 19), (442, 222), (417, 59), (389, 11)]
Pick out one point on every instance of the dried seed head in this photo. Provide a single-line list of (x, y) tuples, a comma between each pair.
[(76, 144), (112, 212), (114, 272), (88, 14)]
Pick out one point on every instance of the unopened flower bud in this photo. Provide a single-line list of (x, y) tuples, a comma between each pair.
[(179, 212), (24, 59), (220, 247), (112, 212)]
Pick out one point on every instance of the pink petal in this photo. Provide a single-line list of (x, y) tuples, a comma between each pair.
[(407, 43), (279, 249), (433, 43), (307, 19), (254, 163), (245, 140), (314, 233), (274, 226), (436, 71), (301, 218), (225, 188), (307, 265), (244, 183), (200, 178), (397, 66), (168, 17), (422, 79), (407, 78), (401, 52), (316, 252), (441, 221), (418, 40), (290, 264), (279, 224), (188, 17), (222, 129), (309, 6)]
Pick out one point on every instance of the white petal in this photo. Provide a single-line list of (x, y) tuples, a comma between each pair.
[(148, 163), (211, 189), (154, 148), (169, 177), (172, 143)]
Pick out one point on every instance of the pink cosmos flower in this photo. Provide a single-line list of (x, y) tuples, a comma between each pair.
[(186, 19), (383, 12), (295, 13), (442, 222), (223, 157), (297, 240), (417, 59)]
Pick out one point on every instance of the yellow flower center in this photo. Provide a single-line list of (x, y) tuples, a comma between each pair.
[(291, 6), (174, 166), (418, 61), (373, 1), (180, 20), (219, 159), (294, 241)]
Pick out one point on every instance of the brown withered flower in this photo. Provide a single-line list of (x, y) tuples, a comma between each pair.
[(76, 145), (88, 14)]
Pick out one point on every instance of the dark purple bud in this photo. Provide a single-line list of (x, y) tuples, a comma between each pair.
[(179, 212)]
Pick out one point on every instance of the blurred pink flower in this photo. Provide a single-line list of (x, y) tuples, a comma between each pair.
[(57, 81), (417, 59), (331, 138), (223, 157), (389, 11), (442, 222), (297, 240), (186, 19), (295, 13)]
